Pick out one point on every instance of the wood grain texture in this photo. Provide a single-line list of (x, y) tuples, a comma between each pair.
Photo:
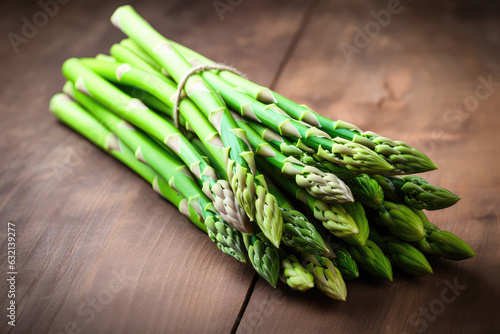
[(93, 236), (97, 249), (411, 82)]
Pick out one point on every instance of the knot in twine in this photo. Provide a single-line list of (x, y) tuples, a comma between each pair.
[(194, 70)]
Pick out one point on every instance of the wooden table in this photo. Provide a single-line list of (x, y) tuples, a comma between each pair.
[(99, 252)]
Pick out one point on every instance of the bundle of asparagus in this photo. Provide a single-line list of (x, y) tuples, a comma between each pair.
[(267, 179)]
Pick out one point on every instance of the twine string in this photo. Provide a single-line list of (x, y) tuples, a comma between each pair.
[(196, 69)]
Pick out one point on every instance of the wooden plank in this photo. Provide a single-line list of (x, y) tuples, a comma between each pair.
[(407, 83), (97, 249)]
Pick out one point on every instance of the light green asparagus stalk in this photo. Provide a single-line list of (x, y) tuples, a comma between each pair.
[(419, 193), (134, 111), (240, 164), (401, 221), (357, 212), (442, 243), (333, 216), (327, 277), (371, 258), (403, 157), (345, 264), (135, 48), (324, 186), (302, 152), (124, 55), (294, 274), (298, 232), (267, 214), (402, 255), (177, 174), (264, 257), (367, 191), (347, 154), (264, 205), (227, 239)]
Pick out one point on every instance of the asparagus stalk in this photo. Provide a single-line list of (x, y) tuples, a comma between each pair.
[(350, 155), (124, 55), (264, 257), (367, 191), (327, 277), (240, 164), (371, 258), (298, 232), (442, 243), (345, 264), (268, 214), (401, 221), (418, 193), (72, 114), (333, 216), (402, 255), (405, 158), (170, 168), (136, 49), (134, 111), (324, 186), (294, 274)]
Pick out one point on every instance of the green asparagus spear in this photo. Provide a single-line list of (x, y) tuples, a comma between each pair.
[(442, 243), (356, 211), (402, 255), (228, 240), (371, 258), (263, 256), (327, 277), (134, 111), (367, 191), (345, 264), (298, 232), (294, 274), (239, 159), (401, 221)]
